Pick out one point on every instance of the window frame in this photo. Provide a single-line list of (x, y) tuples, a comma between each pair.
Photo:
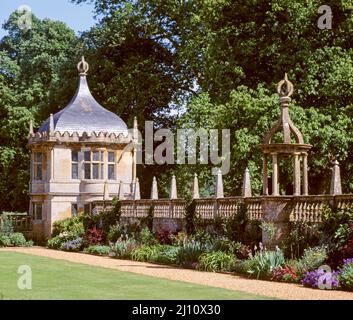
[(36, 164), (74, 206), (75, 163), (111, 163), (91, 163), (35, 205)]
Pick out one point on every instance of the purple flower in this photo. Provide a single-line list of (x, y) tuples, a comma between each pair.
[(318, 277), (347, 261)]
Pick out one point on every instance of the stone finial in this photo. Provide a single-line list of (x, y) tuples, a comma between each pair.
[(285, 88), (83, 67), (31, 127), (135, 131), (246, 190), (137, 195), (336, 187), (121, 191), (195, 188), (173, 189), (219, 185), (154, 191), (51, 123), (105, 191)]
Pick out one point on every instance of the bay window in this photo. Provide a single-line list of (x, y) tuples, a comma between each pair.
[(38, 166), (93, 164)]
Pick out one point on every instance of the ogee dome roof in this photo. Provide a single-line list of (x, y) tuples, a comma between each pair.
[(84, 113)]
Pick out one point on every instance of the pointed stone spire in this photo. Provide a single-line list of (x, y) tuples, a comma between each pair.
[(154, 191), (336, 187), (246, 191), (121, 191), (105, 191), (51, 123), (135, 131), (31, 127), (173, 189), (195, 188), (219, 185), (137, 195)]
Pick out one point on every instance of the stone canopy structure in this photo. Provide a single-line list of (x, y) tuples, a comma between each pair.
[(82, 154), (292, 145)]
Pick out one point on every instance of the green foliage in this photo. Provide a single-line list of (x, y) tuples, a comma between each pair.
[(5, 240), (123, 248), (146, 237), (156, 253), (342, 234), (63, 237), (216, 261), (114, 233), (335, 226), (313, 258), (345, 277), (6, 225), (264, 262), (190, 252), (301, 236), (72, 225), (17, 239), (98, 250), (269, 228), (32, 86)]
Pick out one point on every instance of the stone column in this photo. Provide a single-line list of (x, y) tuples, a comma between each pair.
[(219, 185), (137, 195), (296, 174), (121, 191), (105, 191), (195, 188), (275, 191), (336, 187), (154, 191), (246, 191), (265, 176), (305, 175), (173, 189), (134, 152)]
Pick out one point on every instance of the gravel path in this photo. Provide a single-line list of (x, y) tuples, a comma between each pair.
[(227, 281)]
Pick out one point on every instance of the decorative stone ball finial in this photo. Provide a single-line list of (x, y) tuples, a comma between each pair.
[(83, 67), (285, 87)]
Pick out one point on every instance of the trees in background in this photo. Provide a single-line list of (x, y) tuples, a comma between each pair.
[(195, 63)]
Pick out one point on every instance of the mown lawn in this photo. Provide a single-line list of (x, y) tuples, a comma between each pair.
[(59, 279)]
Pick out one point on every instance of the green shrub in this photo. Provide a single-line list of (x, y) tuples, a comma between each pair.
[(17, 239), (264, 262), (145, 253), (72, 225), (313, 258), (98, 250), (114, 233), (301, 236), (165, 254), (57, 241), (54, 243), (123, 248), (345, 276), (147, 237), (217, 261), (6, 225), (5, 240), (190, 252)]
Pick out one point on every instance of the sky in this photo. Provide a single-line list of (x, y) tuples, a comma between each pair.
[(77, 17)]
